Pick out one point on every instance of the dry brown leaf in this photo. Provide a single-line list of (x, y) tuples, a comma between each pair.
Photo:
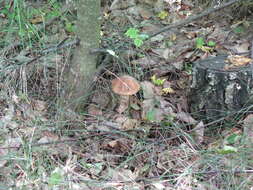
[(198, 133), (148, 89), (241, 47), (37, 20), (39, 105), (100, 98), (120, 119), (119, 175), (130, 124), (94, 110), (48, 137), (144, 62), (145, 13), (237, 61), (186, 117), (168, 53), (120, 145)]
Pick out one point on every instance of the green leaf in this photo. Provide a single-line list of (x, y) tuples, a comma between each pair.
[(157, 81), (211, 43), (55, 178), (227, 150), (232, 139), (163, 14), (69, 27), (150, 115), (4, 11), (138, 42), (132, 33), (200, 42), (239, 30)]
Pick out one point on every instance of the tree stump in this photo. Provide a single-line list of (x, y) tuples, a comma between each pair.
[(218, 90)]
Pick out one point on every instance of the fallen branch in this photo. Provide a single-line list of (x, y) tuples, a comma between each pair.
[(195, 17)]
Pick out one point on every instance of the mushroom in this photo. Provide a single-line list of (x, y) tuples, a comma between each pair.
[(125, 86)]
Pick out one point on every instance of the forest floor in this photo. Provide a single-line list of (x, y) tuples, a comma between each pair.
[(151, 140)]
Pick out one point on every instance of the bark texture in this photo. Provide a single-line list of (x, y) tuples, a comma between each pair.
[(80, 74), (218, 92)]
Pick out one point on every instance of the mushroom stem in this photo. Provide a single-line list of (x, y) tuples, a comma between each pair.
[(123, 103)]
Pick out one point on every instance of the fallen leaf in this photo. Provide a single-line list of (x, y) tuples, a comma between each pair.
[(147, 89), (168, 90), (198, 133), (144, 62), (145, 13), (237, 61), (39, 105), (36, 20), (94, 110), (157, 38), (241, 47), (100, 98), (120, 145), (130, 124), (186, 117)]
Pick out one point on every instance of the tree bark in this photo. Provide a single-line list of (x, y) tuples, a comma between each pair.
[(219, 92), (80, 74)]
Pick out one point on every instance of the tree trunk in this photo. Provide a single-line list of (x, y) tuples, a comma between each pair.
[(80, 74)]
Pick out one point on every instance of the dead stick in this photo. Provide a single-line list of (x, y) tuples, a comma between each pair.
[(193, 18)]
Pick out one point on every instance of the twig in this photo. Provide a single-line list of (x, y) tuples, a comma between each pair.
[(58, 142), (193, 18)]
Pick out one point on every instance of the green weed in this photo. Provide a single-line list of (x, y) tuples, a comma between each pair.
[(135, 35)]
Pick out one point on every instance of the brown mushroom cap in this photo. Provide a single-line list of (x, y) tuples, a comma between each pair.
[(125, 85)]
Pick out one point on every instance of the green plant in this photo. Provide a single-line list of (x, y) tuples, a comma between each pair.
[(200, 42), (56, 178), (205, 46), (157, 81), (137, 38), (188, 68), (22, 19), (150, 115)]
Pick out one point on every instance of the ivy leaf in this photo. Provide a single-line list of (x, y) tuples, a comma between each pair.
[(132, 33)]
